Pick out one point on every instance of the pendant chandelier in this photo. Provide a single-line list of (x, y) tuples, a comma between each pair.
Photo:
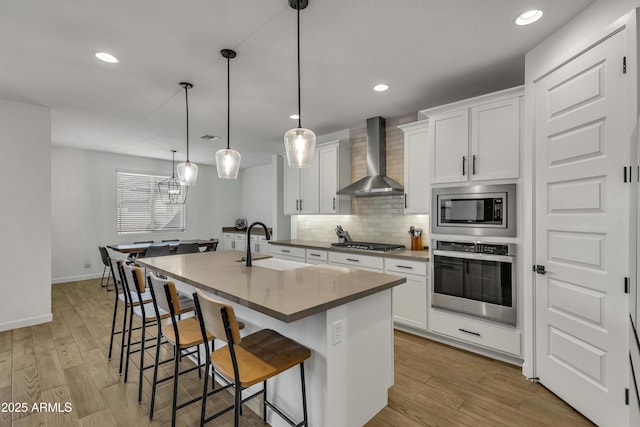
[(299, 142), (171, 191), (187, 171), (228, 160)]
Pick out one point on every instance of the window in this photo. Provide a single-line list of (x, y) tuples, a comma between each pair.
[(140, 209)]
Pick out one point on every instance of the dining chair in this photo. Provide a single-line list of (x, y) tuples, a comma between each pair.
[(183, 334), (188, 248), (245, 361), (126, 299), (104, 255), (156, 250), (214, 246)]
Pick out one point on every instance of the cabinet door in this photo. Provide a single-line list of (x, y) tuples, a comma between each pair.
[(495, 140), (410, 302), (227, 244), (416, 176), (449, 141), (310, 181), (291, 190), (328, 180)]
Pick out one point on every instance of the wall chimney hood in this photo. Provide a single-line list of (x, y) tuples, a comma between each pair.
[(376, 183)]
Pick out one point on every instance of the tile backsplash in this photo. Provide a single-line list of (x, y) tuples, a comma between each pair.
[(376, 219)]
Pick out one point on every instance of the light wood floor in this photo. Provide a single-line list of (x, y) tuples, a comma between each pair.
[(65, 361)]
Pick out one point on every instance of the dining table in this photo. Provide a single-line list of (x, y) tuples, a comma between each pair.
[(140, 248)]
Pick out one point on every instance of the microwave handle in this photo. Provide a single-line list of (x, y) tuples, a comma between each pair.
[(464, 163)]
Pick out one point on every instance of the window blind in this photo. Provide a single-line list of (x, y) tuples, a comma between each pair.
[(140, 209)]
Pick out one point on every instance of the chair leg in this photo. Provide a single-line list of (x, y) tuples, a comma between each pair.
[(203, 411), (155, 375), (103, 273), (264, 401), (126, 363), (113, 325), (141, 367), (176, 374), (305, 421), (199, 362), (237, 404), (124, 334)]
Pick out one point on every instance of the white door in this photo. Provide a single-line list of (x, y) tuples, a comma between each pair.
[(310, 193), (582, 219), (416, 176), (291, 190), (328, 179)]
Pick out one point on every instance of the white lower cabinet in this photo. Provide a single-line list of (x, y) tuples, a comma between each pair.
[(234, 242), (315, 256), (410, 298), (491, 335), (288, 253), (260, 245), (361, 262)]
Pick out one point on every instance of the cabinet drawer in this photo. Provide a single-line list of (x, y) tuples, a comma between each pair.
[(239, 236), (228, 235), (356, 260), (258, 238), (287, 251), (462, 328), (403, 266), (316, 255)]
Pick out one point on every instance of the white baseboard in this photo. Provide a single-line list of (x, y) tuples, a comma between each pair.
[(30, 321), (56, 280)]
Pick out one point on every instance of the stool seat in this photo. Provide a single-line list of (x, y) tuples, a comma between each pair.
[(260, 356), (189, 331)]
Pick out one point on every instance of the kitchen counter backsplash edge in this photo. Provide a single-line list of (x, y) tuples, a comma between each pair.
[(312, 244)]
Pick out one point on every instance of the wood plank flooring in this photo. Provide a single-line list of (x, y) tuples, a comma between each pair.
[(66, 361)]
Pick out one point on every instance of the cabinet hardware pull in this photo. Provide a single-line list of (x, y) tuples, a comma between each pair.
[(474, 164), (334, 203), (469, 332), (314, 254), (464, 165), (353, 260), (285, 250), (405, 200), (297, 204), (233, 244), (404, 266), (300, 205)]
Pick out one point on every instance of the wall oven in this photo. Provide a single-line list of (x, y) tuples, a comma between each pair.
[(478, 279), (481, 210)]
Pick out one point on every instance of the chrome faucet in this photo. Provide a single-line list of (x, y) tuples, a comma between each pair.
[(266, 233)]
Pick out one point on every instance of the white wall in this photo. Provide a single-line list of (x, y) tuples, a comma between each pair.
[(25, 215), (257, 194), (83, 200)]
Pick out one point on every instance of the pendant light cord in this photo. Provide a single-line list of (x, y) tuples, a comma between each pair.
[(299, 108), (186, 100), (228, 101)]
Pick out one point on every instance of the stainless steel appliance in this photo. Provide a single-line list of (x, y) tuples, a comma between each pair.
[(481, 210), (369, 246), (475, 278)]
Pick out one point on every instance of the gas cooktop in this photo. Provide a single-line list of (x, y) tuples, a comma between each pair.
[(368, 246)]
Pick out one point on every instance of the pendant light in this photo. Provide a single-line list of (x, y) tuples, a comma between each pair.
[(299, 142), (171, 191), (228, 160), (187, 171)]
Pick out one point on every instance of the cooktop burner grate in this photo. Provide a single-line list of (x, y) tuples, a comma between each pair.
[(368, 246)]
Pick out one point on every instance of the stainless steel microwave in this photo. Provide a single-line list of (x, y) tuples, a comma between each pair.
[(481, 210)]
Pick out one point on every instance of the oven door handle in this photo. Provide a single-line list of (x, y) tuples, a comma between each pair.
[(471, 255)]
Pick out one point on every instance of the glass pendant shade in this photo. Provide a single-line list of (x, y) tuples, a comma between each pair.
[(228, 163), (187, 173), (299, 144), (172, 192)]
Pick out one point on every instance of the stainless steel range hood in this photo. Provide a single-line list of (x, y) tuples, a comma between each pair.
[(376, 183)]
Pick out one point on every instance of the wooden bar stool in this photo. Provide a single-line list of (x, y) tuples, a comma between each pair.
[(183, 334), (133, 278), (246, 361)]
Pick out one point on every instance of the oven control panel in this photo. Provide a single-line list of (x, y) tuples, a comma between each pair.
[(476, 247)]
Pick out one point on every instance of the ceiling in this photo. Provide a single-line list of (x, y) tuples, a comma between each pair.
[(428, 51)]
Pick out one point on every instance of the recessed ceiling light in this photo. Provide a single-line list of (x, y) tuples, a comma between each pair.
[(529, 17), (209, 137), (294, 116), (380, 87), (107, 57)]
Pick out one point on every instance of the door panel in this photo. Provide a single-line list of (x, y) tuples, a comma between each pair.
[(582, 219)]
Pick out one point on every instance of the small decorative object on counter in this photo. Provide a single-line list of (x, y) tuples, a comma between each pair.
[(416, 238), (241, 223)]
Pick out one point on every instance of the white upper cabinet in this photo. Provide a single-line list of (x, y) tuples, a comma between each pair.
[(416, 169), (476, 139), (313, 190)]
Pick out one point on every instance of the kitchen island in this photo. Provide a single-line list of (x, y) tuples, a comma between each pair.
[(343, 315)]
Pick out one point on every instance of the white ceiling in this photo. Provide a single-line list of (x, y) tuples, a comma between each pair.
[(428, 51)]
